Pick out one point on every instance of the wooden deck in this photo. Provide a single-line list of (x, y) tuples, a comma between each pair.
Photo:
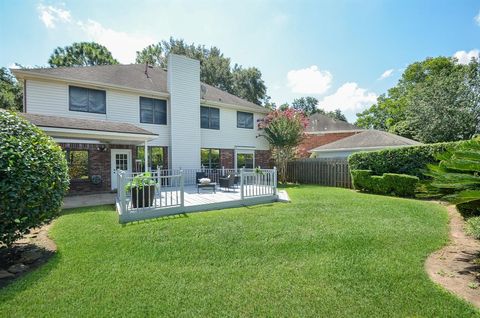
[(170, 203)]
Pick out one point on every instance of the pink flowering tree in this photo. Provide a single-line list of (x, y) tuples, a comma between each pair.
[(284, 130)]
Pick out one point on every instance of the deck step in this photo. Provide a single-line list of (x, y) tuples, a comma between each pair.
[(283, 196)]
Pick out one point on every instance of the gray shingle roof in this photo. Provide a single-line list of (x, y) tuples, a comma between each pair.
[(323, 123), (84, 124), (367, 139), (132, 76)]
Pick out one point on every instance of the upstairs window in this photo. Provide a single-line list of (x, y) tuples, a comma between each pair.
[(153, 111), (88, 100), (244, 120), (209, 117)]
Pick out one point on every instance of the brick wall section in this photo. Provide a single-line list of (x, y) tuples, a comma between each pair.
[(98, 164), (227, 158), (263, 158), (312, 141)]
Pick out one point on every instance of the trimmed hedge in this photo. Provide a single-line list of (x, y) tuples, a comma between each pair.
[(401, 185), (404, 160), (33, 177)]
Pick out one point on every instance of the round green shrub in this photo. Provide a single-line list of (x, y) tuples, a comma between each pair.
[(33, 177)]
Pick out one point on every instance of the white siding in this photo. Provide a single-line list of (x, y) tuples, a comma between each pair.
[(229, 136), (183, 114), (51, 98), (184, 88)]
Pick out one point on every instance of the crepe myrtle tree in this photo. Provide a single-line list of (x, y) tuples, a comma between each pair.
[(33, 177), (284, 130)]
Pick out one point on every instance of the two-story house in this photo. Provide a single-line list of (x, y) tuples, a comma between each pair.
[(130, 117)]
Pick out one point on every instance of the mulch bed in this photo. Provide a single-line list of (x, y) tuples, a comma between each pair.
[(27, 254)]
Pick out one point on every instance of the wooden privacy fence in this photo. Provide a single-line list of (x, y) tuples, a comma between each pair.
[(327, 172)]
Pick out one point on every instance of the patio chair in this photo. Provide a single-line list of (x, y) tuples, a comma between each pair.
[(228, 182), (199, 175)]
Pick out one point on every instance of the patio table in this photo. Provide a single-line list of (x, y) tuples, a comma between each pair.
[(211, 185)]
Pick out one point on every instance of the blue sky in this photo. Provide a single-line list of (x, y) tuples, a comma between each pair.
[(336, 51)]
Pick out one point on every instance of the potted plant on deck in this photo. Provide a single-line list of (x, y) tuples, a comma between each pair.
[(142, 188)]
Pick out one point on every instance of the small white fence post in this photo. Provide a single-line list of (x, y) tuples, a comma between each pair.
[(274, 180), (121, 190), (182, 197), (242, 192)]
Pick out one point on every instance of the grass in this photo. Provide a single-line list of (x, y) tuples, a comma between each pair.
[(331, 252)]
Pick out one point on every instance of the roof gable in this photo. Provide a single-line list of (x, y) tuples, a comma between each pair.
[(368, 139), (322, 123), (134, 77)]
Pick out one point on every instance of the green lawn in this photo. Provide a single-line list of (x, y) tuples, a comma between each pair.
[(330, 253)]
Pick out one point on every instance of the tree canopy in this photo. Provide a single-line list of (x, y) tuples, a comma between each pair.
[(81, 54), (215, 68), (435, 100), (11, 91), (309, 105)]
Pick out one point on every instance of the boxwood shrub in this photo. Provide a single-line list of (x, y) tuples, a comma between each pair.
[(404, 160), (33, 177), (401, 185)]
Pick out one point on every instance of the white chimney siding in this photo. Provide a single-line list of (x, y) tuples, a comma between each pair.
[(184, 88)]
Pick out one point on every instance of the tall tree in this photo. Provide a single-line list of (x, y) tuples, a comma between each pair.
[(151, 55), (81, 54), (11, 91), (436, 100), (248, 84), (308, 105), (215, 68), (337, 115)]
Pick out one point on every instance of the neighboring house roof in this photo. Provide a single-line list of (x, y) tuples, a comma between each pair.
[(319, 123), (131, 76), (84, 124), (368, 139)]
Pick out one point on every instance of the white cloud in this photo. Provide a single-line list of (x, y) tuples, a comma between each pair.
[(348, 98), (477, 18), (50, 15), (310, 80), (465, 57), (123, 45), (386, 74)]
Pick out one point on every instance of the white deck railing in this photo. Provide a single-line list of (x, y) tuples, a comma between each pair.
[(165, 188), (258, 183)]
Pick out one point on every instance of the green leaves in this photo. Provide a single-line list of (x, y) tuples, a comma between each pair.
[(11, 91), (436, 100), (457, 175), (405, 160), (140, 181), (81, 54), (33, 177), (215, 68)]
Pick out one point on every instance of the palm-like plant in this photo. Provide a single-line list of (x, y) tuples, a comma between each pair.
[(457, 177)]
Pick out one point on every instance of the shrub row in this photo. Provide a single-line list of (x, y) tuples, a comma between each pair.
[(401, 185), (404, 160)]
